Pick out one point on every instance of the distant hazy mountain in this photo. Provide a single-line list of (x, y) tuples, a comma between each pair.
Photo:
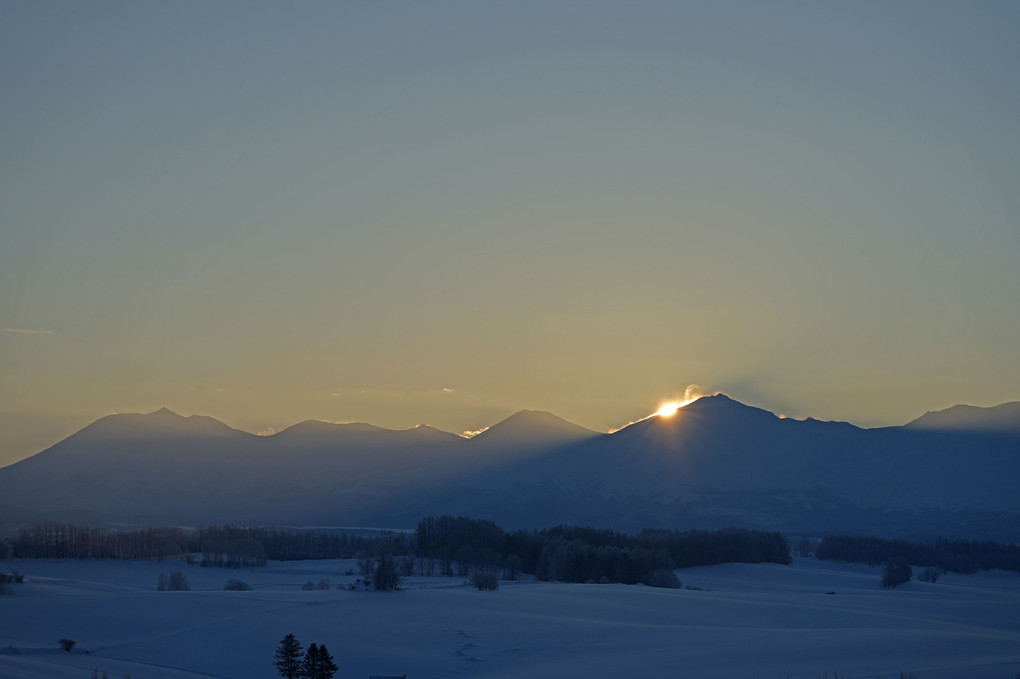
[(997, 419), (715, 462), (162, 466), (163, 423), (530, 429)]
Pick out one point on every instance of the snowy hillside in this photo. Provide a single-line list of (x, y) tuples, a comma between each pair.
[(747, 621)]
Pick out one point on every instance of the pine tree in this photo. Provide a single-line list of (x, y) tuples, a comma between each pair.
[(288, 657), (310, 666), (327, 668)]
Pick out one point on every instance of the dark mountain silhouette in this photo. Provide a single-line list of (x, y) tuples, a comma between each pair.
[(725, 462), (715, 462), (162, 466), (714, 442)]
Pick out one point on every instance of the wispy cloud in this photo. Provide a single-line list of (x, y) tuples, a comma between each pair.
[(268, 431), (469, 434), (27, 331), (430, 392)]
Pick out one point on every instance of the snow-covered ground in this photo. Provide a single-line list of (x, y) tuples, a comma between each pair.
[(810, 619)]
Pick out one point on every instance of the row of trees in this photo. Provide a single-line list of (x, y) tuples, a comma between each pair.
[(293, 663), (577, 554), (956, 556), (223, 546), (303, 545), (54, 540)]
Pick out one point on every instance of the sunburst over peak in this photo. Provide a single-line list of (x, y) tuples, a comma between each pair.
[(669, 408)]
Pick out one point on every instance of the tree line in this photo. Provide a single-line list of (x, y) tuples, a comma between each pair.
[(54, 540), (579, 554), (224, 546), (956, 556), (564, 553)]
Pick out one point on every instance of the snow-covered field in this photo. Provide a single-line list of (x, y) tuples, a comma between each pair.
[(810, 619)]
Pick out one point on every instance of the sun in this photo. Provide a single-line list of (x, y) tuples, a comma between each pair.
[(669, 409)]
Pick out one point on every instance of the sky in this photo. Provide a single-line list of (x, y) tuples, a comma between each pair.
[(445, 212)]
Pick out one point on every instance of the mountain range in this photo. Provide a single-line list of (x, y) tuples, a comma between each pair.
[(716, 462)]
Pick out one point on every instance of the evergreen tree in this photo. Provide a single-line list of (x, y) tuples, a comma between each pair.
[(311, 665), (288, 658), (327, 668)]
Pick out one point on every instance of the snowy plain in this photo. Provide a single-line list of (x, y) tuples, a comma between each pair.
[(809, 619)]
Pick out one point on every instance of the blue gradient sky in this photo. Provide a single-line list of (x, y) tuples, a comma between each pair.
[(445, 212)]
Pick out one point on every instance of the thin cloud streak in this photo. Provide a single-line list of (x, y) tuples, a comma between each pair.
[(27, 331)]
